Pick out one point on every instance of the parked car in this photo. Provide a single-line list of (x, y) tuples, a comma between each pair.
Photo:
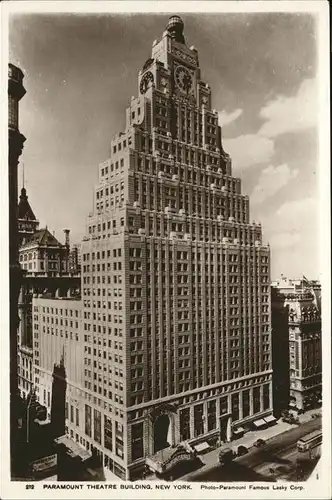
[(226, 456), (283, 469), (259, 443), (242, 450), (290, 419)]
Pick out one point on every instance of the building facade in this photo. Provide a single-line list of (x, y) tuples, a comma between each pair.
[(57, 327), (175, 277), (45, 264), (75, 259), (296, 329)]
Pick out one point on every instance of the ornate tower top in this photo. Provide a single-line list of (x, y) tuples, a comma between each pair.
[(27, 222), (24, 209), (175, 28)]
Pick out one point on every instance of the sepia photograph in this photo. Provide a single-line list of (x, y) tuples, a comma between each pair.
[(165, 175)]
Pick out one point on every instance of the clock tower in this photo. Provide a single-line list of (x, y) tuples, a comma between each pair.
[(174, 68), (172, 75)]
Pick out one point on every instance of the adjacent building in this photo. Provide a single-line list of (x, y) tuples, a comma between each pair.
[(45, 265), (296, 343), (57, 327)]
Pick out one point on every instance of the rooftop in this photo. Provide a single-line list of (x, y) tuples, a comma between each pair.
[(43, 237), (73, 449)]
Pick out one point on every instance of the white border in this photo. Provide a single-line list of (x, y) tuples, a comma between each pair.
[(312, 489)]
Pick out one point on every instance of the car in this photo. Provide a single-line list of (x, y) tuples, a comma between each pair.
[(259, 443), (226, 456), (291, 420), (283, 469), (242, 450)]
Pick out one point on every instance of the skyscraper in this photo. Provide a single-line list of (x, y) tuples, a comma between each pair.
[(175, 277)]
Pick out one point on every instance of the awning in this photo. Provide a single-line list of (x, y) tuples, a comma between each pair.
[(239, 430), (269, 419), (202, 447), (259, 423)]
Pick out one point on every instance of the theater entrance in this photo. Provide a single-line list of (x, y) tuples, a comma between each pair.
[(162, 432)]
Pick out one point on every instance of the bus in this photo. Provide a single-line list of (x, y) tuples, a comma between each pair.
[(309, 441)]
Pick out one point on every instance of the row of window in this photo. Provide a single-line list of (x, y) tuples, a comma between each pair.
[(60, 312), (116, 253), (55, 320), (110, 190), (102, 226)]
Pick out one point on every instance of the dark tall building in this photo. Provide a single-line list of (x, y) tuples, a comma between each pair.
[(59, 386), (280, 353), (16, 91)]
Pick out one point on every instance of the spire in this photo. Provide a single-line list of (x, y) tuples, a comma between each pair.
[(24, 209)]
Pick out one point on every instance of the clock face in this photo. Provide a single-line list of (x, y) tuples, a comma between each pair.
[(183, 79), (146, 80)]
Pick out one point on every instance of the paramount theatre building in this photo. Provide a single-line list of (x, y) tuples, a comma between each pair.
[(175, 281)]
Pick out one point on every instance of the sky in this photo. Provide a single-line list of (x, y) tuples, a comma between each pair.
[(81, 71)]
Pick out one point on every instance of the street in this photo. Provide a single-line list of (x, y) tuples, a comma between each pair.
[(277, 459)]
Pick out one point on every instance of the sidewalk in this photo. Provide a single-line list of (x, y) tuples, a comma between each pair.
[(308, 415), (250, 437), (212, 457)]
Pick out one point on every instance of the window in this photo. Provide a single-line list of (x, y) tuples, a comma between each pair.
[(212, 415), (245, 403), (198, 420), (137, 441), (257, 399), (88, 420), (185, 424), (266, 396), (235, 407), (108, 435)]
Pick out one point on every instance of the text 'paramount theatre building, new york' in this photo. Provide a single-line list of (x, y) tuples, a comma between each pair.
[(175, 278)]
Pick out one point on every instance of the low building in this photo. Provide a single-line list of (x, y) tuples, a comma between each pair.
[(46, 452), (45, 264), (296, 343), (57, 331)]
